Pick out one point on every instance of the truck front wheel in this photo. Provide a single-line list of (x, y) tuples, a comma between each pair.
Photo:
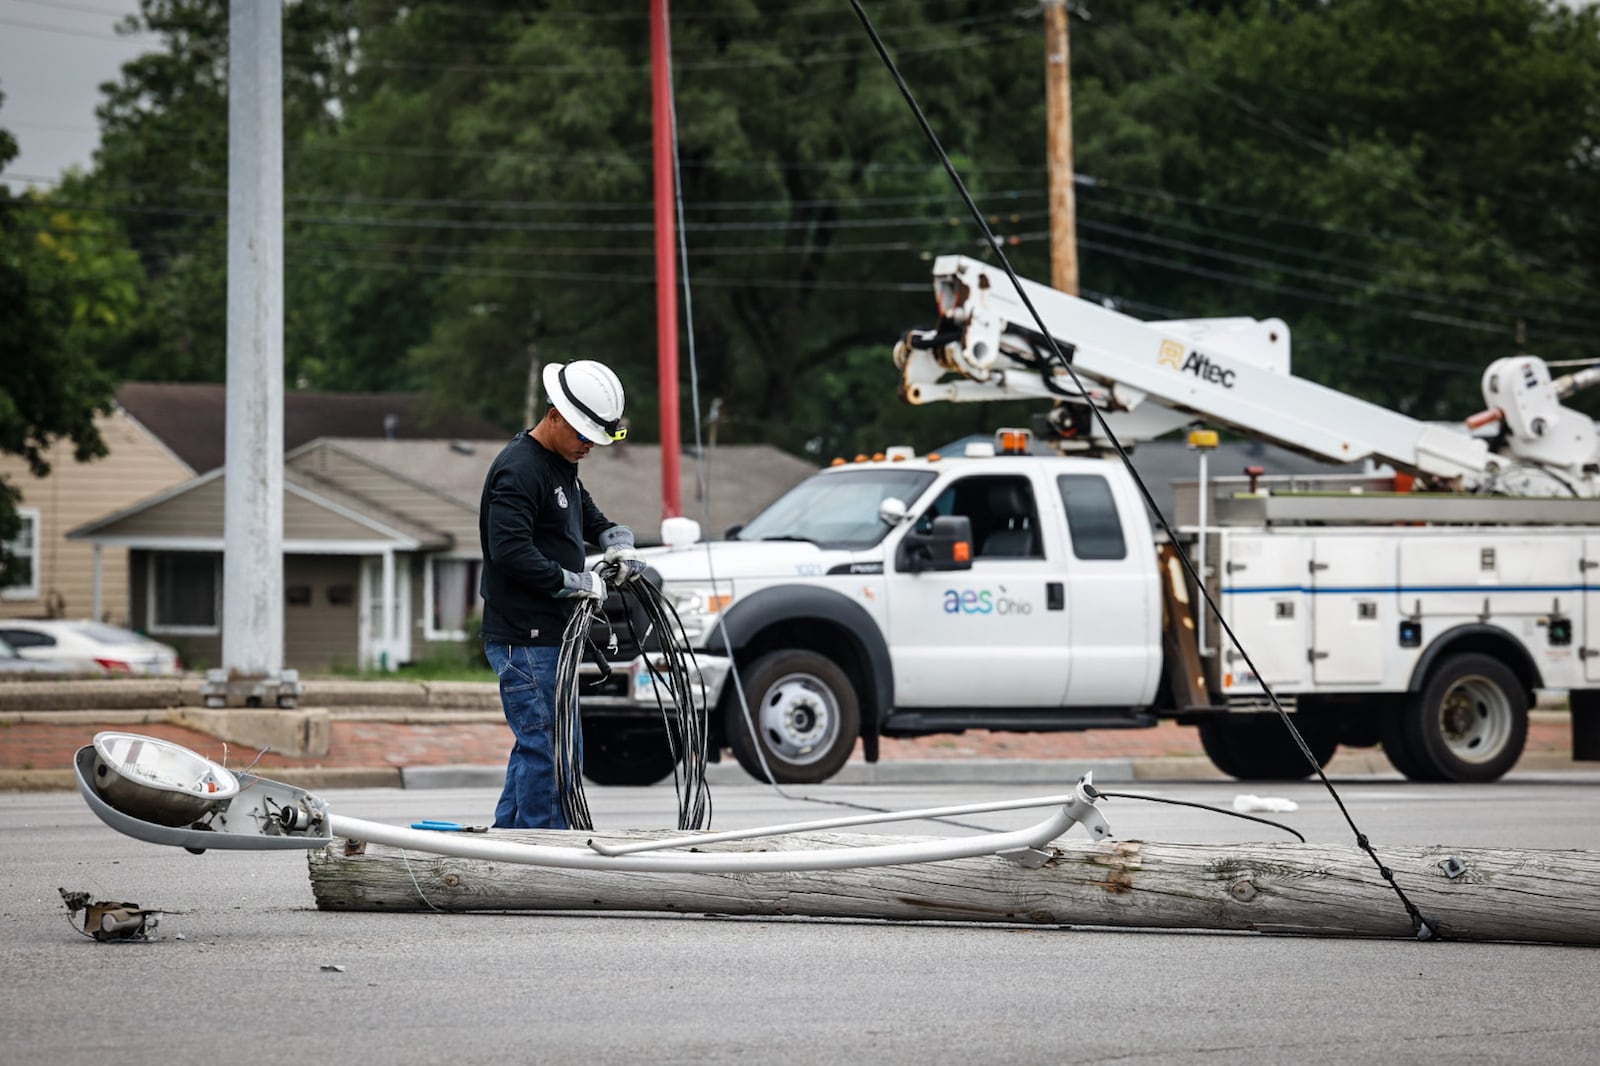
[(1257, 747), (803, 718), (1469, 723)]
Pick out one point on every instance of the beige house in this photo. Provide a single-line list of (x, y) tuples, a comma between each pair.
[(380, 541), (59, 573), (160, 436)]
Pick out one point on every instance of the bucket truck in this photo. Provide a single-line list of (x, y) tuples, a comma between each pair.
[(1019, 586)]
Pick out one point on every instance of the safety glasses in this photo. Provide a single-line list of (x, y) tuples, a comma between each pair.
[(621, 433)]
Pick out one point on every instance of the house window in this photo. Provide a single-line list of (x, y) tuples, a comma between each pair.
[(183, 592), (452, 586), (24, 547)]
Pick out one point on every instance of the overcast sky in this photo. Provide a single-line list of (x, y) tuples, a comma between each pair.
[(53, 56)]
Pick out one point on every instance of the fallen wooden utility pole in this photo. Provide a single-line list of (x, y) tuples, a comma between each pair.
[(1309, 889)]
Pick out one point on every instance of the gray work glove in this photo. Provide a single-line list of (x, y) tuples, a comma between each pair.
[(622, 562), (580, 584)]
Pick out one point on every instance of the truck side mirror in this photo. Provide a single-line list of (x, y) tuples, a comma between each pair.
[(945, 545)]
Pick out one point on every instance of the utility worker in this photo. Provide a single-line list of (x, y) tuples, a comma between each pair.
[(533, 521)]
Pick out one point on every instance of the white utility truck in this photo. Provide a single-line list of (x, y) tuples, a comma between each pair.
[(1019, 586)]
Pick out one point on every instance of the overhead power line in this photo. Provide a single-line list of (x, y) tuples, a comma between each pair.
[(1546, 326), (66, 31)]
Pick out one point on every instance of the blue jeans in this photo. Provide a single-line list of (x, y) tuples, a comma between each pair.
[(528, 695)]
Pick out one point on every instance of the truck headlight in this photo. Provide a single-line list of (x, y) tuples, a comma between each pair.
[(698, 609)]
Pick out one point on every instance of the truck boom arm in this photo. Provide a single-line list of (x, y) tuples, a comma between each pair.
[(1151, 377)]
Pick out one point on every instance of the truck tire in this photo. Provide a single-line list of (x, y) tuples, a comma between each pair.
[(1397, 746), (1257, 747), (806, 717), (626, 753), (1469, 722)]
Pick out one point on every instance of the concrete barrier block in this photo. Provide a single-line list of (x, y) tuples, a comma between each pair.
[(301, 733)]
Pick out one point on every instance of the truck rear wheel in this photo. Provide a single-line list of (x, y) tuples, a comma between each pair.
[(626, 753), (805, 718), (1258, 747), (1469, 722)]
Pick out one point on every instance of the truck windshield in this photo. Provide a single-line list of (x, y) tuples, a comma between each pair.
[(837, 510)]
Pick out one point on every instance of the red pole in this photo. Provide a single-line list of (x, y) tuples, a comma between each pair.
[(666, 262)]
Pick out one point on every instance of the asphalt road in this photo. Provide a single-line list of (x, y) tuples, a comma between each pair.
[(239, 972)]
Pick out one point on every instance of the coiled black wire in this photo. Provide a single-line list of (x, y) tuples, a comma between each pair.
[(684, 711)]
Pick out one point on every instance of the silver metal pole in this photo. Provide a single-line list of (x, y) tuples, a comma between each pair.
[(698, 839), (252, 576), (896, 853)]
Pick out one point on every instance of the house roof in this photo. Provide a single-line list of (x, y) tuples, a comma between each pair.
[(423, 494), (191, 419), (624, 479), (318, 517)]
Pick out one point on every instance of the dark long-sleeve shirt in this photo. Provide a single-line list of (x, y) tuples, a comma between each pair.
[(533, 520)]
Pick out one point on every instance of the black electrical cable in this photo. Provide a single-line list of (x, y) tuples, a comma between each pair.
[(683, 709), (1424, 929), (568, 754), (687, 721), (1204, 807)]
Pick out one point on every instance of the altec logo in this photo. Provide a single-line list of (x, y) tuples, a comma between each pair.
[(1172, 354)]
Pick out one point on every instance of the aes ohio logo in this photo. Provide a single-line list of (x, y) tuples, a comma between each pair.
[(1173, 355), (983, 601)]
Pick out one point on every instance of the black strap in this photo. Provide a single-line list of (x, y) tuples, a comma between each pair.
[(609, 426)]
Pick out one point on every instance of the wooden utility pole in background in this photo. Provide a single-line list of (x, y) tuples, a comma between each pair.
[(1058, 116), (666, 257)]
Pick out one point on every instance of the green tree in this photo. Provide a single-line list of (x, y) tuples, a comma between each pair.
[(469, 188), (1401, 181), (68, 284), (807, 195), (162, 168)]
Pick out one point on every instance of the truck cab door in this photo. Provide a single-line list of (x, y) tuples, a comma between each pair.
[(994, 635), (1113, 601)]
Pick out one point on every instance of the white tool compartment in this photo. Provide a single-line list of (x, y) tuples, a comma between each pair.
[(1352, 621), (1496, 574), (1262, 584), (1588, 635)]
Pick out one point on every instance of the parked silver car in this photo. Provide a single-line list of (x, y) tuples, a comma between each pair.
[(13, 665), (89, 646)]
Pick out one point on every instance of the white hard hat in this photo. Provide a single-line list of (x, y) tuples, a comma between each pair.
[(589, 396)]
